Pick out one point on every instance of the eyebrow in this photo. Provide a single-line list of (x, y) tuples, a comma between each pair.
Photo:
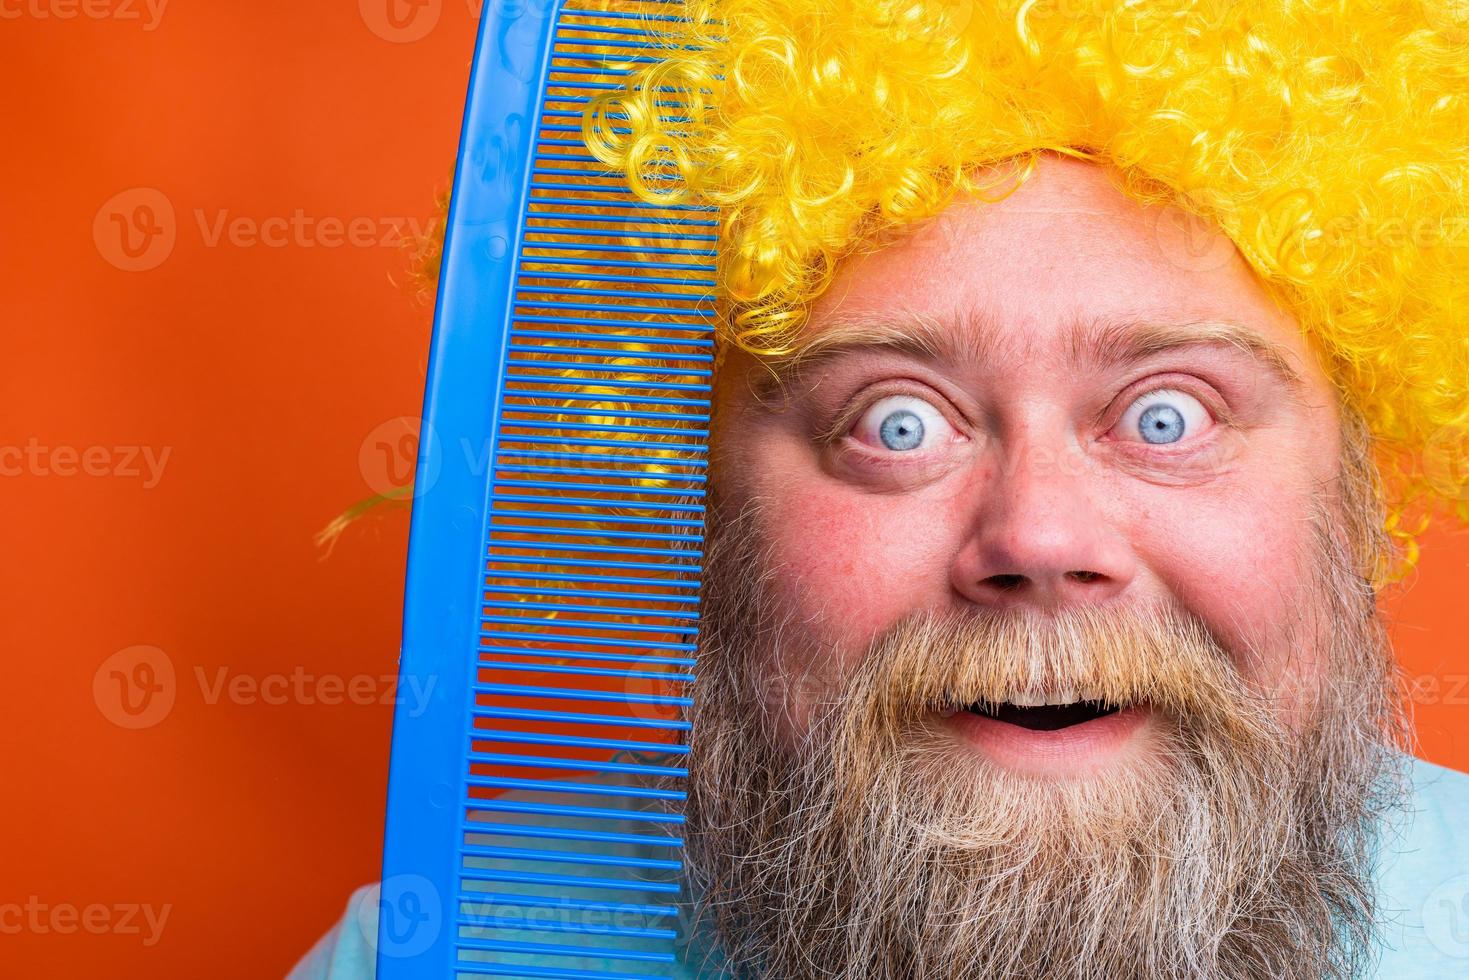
[(977, 336)]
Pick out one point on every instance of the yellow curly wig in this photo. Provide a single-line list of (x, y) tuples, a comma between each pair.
[(1329, 140)]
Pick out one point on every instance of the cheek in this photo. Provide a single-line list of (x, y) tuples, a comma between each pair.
[(1239, 562), (852, 565), (858, 562)]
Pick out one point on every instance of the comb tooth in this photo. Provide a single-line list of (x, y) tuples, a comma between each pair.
[(578, 694), (502, 804), (556, 762), (534, 738)]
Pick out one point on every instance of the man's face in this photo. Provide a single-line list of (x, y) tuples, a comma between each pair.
[(1106, 418), (1035, 639)]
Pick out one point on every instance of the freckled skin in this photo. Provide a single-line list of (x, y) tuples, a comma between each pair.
[(1034, 490)]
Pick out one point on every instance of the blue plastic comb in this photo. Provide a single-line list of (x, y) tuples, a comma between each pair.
[(553, 563)]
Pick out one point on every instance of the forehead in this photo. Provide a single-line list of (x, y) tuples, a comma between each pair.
[(1067, 247)]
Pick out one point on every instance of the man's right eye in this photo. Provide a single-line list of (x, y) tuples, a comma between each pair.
[(902, 423)]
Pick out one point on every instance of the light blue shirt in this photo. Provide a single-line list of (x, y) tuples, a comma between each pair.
[(1423, 896)]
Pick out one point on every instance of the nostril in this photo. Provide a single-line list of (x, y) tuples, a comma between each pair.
[(1006, 583), (1083, 576)]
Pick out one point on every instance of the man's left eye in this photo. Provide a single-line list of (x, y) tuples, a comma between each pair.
[(1163, 416), (902, 423)]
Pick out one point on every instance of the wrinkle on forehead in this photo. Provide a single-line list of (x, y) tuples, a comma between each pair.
[(977, 335)]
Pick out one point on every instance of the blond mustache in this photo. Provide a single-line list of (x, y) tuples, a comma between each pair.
[(936, 662)]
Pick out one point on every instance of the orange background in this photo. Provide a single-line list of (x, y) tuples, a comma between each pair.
[(262, 357)]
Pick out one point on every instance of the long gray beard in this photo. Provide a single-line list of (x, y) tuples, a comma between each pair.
[(873, 850)]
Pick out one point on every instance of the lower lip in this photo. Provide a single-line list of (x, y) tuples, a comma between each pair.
[(1070, 749)]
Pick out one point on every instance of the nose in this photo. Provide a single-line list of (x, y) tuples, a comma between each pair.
[(1041, 536)]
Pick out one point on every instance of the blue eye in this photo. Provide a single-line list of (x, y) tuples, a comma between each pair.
[(1163, 417), (1162, 423), (901, 430), (901, 424)]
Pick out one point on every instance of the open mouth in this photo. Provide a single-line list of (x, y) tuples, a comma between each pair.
[(1046, 717)]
